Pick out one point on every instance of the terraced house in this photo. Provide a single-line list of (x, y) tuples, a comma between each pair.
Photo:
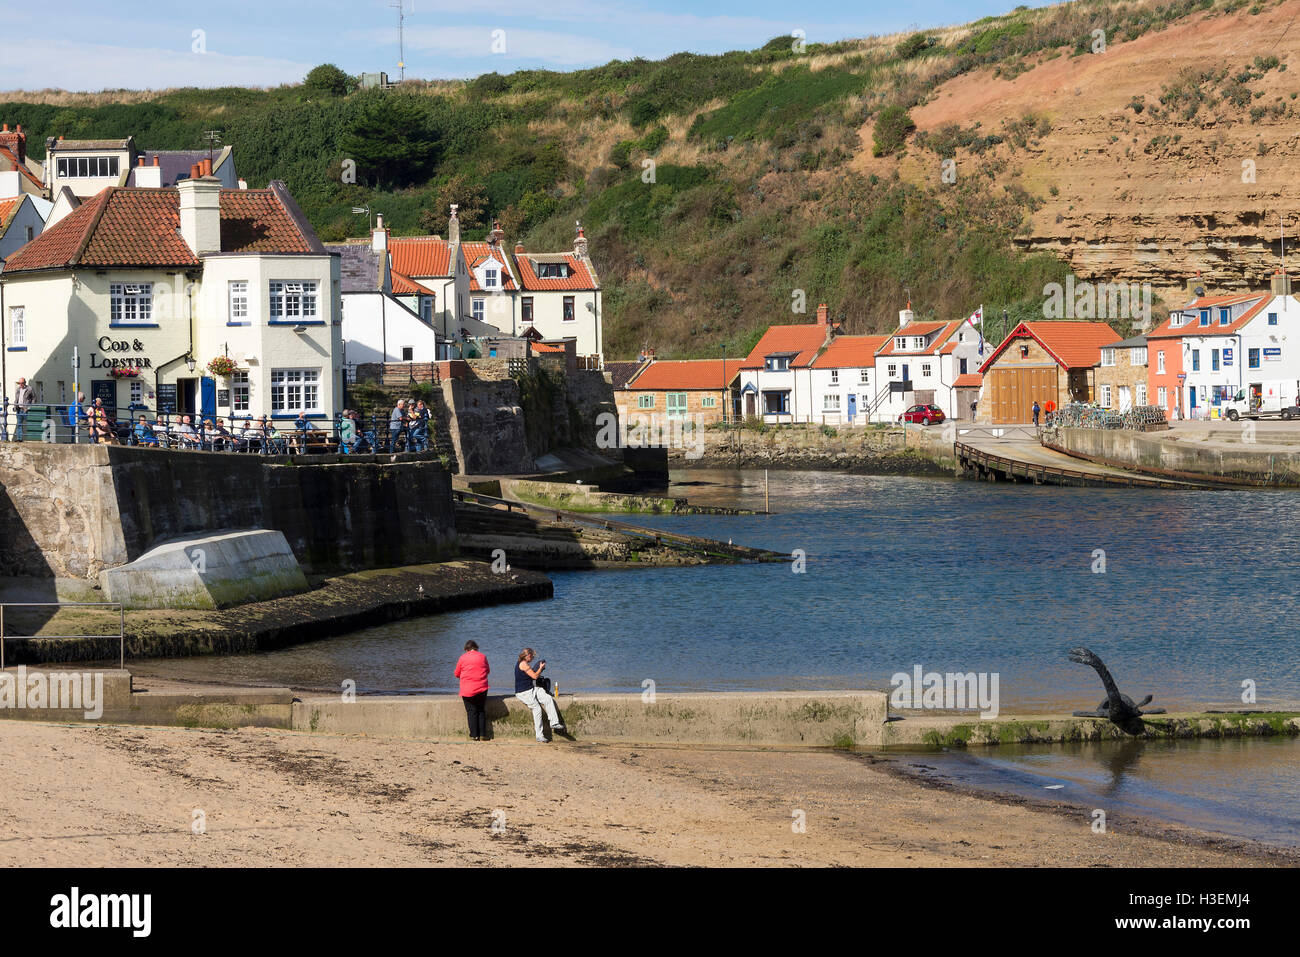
[(133, 294)]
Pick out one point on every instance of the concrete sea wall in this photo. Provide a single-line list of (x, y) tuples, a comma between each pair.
[(1159, 453), (869, 450), (71, 511)]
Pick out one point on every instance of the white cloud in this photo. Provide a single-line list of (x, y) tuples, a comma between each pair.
[(92, 67)]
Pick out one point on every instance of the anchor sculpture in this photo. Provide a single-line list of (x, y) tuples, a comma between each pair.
[(1118, 708)]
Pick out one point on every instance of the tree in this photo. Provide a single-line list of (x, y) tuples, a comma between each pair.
[(329, 80), (892, 127), (393, 140), (467, 195)]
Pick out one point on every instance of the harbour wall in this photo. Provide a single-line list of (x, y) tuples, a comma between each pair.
[(72, 511), (1160, 453), (867, 450)]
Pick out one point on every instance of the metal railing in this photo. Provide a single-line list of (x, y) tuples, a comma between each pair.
[(189, 432), (121, 623)]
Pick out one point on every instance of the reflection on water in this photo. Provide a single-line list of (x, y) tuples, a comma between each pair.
[(1198, 596), (1247, 788)]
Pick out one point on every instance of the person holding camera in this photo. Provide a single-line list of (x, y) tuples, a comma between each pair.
[(534, 690)]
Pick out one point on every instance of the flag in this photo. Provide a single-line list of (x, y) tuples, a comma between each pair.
[(976, 321)]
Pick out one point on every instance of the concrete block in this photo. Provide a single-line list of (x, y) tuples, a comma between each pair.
[(207, 571)]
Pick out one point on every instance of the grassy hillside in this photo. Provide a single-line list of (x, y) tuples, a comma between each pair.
[(774, 170)]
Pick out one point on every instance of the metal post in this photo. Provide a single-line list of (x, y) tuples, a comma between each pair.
[(767, 507)]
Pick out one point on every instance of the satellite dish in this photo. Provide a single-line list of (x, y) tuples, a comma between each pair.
[(1199, 290)]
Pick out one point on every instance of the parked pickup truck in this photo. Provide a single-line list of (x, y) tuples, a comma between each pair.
[(1265, 400)]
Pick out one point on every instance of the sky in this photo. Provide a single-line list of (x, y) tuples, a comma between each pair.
[(91, 45)]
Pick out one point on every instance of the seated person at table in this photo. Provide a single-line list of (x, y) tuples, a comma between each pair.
[(249, 435), (185, 433), (144, 432), (220, 436)]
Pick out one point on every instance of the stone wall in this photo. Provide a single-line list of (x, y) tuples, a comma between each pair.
[(868, 450), (70, 511)]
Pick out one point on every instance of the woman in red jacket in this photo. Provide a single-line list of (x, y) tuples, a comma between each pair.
[(472, 670)]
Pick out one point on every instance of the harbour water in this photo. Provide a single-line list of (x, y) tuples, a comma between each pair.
[(1185, 595)]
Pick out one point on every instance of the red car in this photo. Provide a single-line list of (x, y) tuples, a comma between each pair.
[(925, 414)]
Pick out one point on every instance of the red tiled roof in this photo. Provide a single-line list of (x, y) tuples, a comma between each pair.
[(804, 339), (12, 157), (141, 227), (8, 207), (475, 254), (968, 380), (579, 276), (421, 256), (686, 374), (935, 332), (1074, 344), (1167, 330), (406, 286), (544, 347), (848, 352)]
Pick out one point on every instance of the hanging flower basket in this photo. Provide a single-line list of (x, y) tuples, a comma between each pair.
[(123, 373), (223, 366)]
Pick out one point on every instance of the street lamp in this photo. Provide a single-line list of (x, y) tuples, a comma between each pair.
[(189, 361)]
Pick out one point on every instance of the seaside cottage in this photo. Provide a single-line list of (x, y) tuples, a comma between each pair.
[(147, 287), (1122, 375), (1049, 361), (776, 376), (1216, 347), (844, 380), (387, 317), (698, 389), (922, 363), (487, 292)]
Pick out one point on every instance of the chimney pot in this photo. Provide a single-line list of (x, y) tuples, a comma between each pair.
[(6, 129), (141, 163), (519, 249), (155, 159)]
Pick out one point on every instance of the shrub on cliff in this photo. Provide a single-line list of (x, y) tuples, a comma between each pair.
[(892, 128)]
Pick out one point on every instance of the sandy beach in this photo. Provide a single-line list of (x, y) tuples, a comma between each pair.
[(111, 796)]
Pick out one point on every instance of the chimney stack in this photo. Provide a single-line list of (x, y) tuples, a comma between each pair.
[(497, 235), (200, 212), (1281, 284), (905, 316), (379, 236), (580, 243), (1194, 284), (823, 314), (16, 141), (148, 176), (453, 226), (519, 249)]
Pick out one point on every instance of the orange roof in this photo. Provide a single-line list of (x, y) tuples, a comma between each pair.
[(579, 275), (967, 380), (8, 207), (846, 352), (804, 339), (421, 256), (935, 332), (475, 254), (1167, 330), (141, 227), (686, 374), (1074, 344), (9, 154), (545, 347), (404, 285)]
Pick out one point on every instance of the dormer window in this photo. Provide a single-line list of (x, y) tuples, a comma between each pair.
[(1205, 317), (490, 279), (918, 342), (77, 166), (1225, 316), (777, 363), (552, 270), (900, 342)]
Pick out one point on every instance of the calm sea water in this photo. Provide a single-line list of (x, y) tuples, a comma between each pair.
[(1197, 596)]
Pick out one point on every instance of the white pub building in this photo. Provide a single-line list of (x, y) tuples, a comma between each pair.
[(147, 287)]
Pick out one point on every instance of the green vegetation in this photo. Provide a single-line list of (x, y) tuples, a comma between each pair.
[(748, 195)]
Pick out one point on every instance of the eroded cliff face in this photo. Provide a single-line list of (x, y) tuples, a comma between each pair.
[(1135, 189)]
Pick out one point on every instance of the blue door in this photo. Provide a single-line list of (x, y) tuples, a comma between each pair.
[(1191, 397), (208, 398), (906, 377), (853, 406)]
